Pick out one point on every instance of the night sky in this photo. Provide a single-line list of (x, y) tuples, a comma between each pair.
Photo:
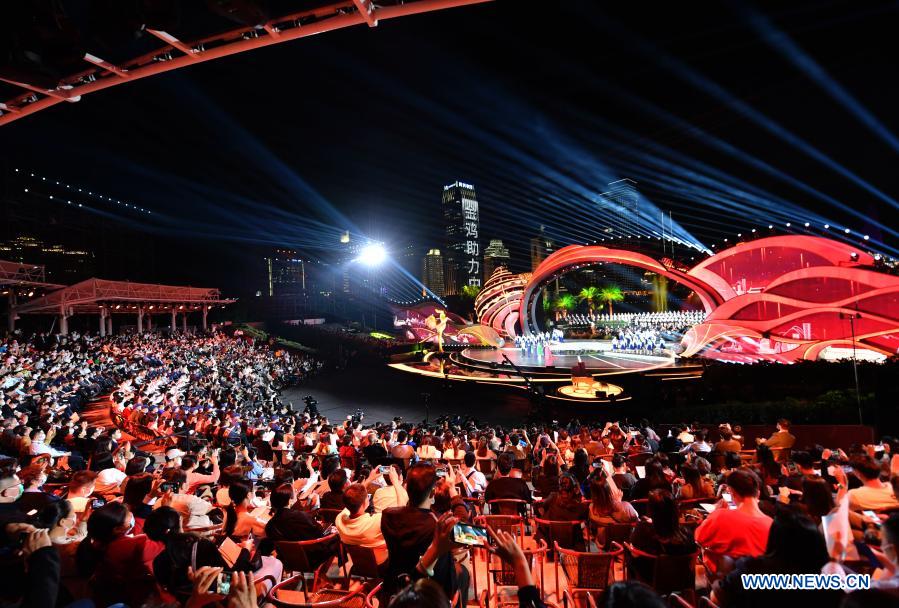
[(710, 108)]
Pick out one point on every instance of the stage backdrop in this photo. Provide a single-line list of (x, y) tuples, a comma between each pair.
[(783, 298)]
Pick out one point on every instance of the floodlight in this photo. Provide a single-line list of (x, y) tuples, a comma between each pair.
[(372, 254)]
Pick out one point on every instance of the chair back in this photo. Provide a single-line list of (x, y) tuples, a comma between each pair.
[(295, 554), (365, 564), (513, 524), (326, 516), (670, 573), (587, 571), (716, 459), (567, 534), (370, 598), (606, 534), (507, 506), (284, 595)]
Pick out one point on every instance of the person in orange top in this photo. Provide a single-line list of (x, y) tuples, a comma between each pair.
[(740, 531)]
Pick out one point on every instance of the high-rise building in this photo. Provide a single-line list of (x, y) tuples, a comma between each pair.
[(495, 255), (619, 209), (285, 273), (541, 248), (463, 250), (432, 272)]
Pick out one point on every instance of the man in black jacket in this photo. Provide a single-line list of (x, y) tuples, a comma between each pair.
[(503, 485), (409, 531)]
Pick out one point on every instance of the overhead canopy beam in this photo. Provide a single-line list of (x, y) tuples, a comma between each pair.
[(31, 275), (281, 29)]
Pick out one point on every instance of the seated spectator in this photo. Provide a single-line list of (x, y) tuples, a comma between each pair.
[(503, 485), (605, 508), (661, 533), (239, 521), (333, 498), (548, 479), (889, 546), (473, 481), (695, 485), (566, 504), (81, 486), (623, 478), (409, 533), (355, 525), (781, 438), (193, 509), (873, 493), (654, 479), (393, 494), (817, 498), (194, 479), (741, 531), (117, 563), (794, 546), (427, 451), (727, 442), (34, 499), (288, 524)]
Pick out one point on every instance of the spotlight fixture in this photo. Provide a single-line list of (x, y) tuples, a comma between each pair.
[(372, 254), (807, 224), (753, 229), (826, 226), (847, 231), (770, 226), (788, 224), (867, 237)]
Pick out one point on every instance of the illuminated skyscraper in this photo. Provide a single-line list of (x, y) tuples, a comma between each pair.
[(463, 250), (495, 255), (285, 273), (432, 272), (618, 209), (541, 247)]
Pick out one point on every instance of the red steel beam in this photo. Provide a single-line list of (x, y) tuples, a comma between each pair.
[(238, 45)]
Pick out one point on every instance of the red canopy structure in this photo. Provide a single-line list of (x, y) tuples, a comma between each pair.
[(106, 298), (172, 53)]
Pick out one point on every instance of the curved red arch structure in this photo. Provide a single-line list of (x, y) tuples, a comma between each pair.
[(783, 298), (98, 73), (575, 256)]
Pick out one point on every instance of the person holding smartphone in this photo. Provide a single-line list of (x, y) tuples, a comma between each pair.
[(741, 531)]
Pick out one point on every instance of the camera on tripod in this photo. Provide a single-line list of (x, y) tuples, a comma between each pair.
[(357, 417), (311, 405)]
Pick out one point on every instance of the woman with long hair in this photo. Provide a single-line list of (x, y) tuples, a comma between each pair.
[(654, 479), (117, 563), (581, 467), (662, 533), (605, 507), (567, 505), (695, 485), (548, 478), (67, 530), (239, 521)]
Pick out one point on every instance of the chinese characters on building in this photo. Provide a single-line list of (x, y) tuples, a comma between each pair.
[(472, 249)]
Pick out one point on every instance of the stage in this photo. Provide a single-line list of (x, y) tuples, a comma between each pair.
[(596, 355)]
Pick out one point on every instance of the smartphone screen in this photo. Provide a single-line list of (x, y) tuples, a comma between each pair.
[(469, 535), (641, 471), (872, 516), (385, 469)]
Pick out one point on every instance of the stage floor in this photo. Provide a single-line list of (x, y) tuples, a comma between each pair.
[(599, 359)]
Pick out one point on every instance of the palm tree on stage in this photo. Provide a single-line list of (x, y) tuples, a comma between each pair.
[(565, 303), (470, 291), (589, 295), (611, 293)]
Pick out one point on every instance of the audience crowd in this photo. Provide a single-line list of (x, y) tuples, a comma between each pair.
[(206, 487)]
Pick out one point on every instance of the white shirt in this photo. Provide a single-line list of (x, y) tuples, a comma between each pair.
[(39, 447), (389, 496), (477, 482)]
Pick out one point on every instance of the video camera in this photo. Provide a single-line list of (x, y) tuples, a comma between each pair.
[(311, 406), (357, 417)]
